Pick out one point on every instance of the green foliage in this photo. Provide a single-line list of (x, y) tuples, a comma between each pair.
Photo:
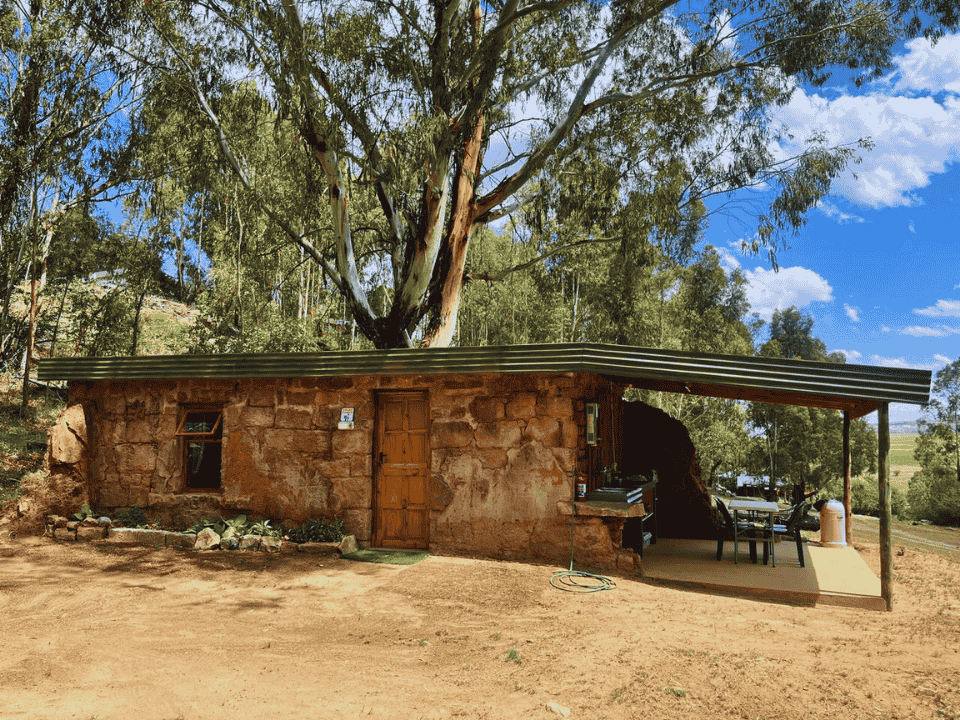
[(62, 148), (802, 446), (235, 527), (84, 512), (263, 528), (934, 491), (865, 497), (23, 439), (354, 139), (132, 517), (317, 531)]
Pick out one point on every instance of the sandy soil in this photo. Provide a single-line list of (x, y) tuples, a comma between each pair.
[(110, 633)]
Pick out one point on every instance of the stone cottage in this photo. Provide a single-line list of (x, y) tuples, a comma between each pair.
[(459, 450)]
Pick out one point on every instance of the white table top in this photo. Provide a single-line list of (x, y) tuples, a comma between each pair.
[(754, 505)]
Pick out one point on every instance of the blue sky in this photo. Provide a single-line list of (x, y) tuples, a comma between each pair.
[(878, 263)]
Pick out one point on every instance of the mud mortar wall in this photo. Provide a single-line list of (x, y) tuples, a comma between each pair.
[(505, 450)]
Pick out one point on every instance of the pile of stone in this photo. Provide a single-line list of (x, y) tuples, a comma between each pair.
[(90, 528), (101, 529)]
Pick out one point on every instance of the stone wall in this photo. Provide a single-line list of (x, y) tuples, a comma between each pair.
[(505, 452)]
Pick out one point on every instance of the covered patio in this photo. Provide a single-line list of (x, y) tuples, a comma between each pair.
[(854, 390), (831, 576)]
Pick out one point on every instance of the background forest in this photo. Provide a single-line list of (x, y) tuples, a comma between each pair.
[(307, 178)]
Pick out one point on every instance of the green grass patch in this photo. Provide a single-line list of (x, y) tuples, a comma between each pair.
[(901, 449), (23, 440)]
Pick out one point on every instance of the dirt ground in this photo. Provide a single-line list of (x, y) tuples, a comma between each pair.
[(109, 633)]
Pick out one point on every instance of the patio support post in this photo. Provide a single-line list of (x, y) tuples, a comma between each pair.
[(847, 497), (883, 472)]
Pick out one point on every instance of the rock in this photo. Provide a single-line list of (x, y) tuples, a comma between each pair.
[(157, 538), (104, 521), (250, 542), (558, 709), (348, 545), (287, 547), (207, 539), (229, 543), (271, 544), (73, 525), (91, 532), (123, 536), (90, 521), (59, 521), (67, 439), (181, 540), (64, 534)]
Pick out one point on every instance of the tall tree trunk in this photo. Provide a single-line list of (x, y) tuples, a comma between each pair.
[(453, 260), (31, 332), (38, 277), (136, 322)]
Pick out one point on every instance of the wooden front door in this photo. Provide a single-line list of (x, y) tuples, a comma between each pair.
[(402, 470)]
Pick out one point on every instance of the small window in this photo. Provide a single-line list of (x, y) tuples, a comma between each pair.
[(201, 430)]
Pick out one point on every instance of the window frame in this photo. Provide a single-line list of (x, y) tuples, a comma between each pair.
[(214, 436)]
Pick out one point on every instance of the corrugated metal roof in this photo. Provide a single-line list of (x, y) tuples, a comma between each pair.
[(835, 385)]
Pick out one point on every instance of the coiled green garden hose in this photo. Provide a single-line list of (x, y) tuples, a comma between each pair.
[(568, 579)]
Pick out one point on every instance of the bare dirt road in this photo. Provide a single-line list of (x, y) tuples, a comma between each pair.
[(117, 633)]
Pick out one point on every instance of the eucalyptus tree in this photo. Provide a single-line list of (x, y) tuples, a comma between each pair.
[(61, 99), (940, 423), (802, 445), (443, 111)]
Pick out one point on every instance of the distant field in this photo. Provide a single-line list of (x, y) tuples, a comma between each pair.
[(901, 449), (902, 463)]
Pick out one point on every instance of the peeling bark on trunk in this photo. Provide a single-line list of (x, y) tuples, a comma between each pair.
[(453, 263)]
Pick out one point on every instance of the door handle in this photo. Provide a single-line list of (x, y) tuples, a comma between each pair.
[(381, 459)]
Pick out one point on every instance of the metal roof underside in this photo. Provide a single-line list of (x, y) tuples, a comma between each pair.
[(854, 388)]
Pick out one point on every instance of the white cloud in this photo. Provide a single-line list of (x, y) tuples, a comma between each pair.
[(912, 228), (930, 66), (914, 132), (835, 213), (943, 308), (852, 312), (768, 290), (885, 329), (938, 362), (939, 331), (852, 356)]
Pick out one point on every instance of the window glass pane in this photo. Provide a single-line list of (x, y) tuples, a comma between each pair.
[(203, 465), (200, 421)]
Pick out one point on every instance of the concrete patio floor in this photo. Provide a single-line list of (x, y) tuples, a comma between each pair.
[(831, 576)]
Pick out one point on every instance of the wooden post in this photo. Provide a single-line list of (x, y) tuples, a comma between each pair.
[(883, 472), (847, 497)]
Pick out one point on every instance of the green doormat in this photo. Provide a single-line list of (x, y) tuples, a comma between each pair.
[(387, 556)]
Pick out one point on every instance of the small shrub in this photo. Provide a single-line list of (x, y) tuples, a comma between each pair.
[(264, 529), (130, 518), (318, 531)]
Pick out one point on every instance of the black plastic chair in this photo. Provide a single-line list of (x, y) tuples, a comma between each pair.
[(791, 529), (727, 532)]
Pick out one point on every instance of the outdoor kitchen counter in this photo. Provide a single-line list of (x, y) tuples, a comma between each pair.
[(601, 508)]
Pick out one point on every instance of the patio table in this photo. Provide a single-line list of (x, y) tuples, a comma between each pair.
[(758, 507)]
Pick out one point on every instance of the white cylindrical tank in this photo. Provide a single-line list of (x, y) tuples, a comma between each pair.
[(832, 525)]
